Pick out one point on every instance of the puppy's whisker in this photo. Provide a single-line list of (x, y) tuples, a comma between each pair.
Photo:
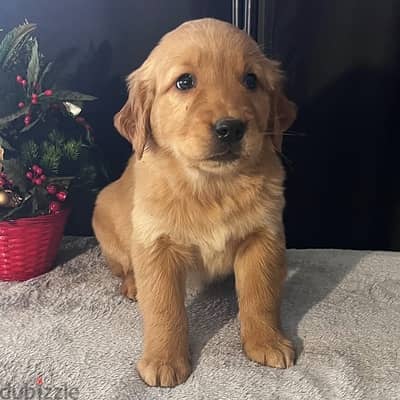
[(297, 132), (287, 133)]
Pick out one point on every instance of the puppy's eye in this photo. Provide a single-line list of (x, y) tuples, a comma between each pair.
[(250, 81), (185, 82)]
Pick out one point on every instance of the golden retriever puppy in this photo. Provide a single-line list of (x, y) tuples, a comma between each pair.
[(203, 192)]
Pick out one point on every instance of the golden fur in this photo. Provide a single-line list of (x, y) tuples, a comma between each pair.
[(175, 211)]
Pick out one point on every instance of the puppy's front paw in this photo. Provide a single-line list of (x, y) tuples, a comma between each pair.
[(168, 373), (277, 352)]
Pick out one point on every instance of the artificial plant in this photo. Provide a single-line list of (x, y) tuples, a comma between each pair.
[(46, 145)]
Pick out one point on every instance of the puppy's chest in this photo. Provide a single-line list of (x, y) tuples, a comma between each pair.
[(213, 234), (213, 230)]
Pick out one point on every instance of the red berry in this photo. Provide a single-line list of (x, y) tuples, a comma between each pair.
[(21, 104), (48, 92), (24, 82), (61, 196), (27, 120), (43, 177), (51, 189), (19, 78), (38, 171), (35, 167), (29, 175), (34, 96), (54, 207), (35, 101), (37, 181)]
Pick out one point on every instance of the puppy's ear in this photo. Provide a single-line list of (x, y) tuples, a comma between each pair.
[(133, 121), (283, 112), (282, 115)]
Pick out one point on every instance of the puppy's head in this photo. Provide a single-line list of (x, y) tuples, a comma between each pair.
[(208, 96)]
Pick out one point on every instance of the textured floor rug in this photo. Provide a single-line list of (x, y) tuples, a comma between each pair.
[(70, 335)]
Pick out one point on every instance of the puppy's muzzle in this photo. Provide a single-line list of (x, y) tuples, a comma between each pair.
[(229, 130)]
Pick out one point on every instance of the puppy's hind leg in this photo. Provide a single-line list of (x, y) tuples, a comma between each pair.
[(114, 244), (128, 286), (116, 268), (121, 267)]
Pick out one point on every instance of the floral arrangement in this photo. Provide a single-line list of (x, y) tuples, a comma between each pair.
[(47, 150)]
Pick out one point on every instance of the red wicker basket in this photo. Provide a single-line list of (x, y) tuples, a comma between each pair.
[(28, 246)]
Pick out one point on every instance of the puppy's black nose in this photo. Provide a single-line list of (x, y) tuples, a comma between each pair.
[(229, 130)]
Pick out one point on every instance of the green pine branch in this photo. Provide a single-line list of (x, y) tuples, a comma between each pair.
[(51, 157), (30, 153), (72, 149), (56, 137)]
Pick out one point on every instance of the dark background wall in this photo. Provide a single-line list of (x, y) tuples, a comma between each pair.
[(341, 60)]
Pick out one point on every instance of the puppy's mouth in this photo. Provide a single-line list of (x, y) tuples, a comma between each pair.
[(225, 156)]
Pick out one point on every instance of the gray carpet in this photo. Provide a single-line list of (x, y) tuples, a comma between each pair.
[(72, 329)]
